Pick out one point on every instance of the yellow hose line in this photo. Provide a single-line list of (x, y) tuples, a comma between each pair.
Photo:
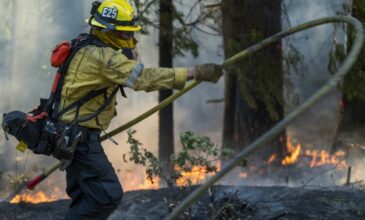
[(280, 127)]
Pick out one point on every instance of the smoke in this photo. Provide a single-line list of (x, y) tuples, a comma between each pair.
[(32, 29), (317, 126), (27, 76), (39, 25), (191, 112)]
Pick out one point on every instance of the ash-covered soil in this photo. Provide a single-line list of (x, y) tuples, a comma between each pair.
[(222, 202)]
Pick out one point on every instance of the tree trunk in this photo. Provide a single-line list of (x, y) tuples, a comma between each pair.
[(166, 123), (254, 97), (351, 126)]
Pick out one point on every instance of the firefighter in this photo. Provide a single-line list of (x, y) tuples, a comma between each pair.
[(92, 183)]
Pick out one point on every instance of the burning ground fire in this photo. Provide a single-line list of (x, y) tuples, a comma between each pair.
[(297, 155), (38, 197), (133, 182), (197, 175), (317, 157)]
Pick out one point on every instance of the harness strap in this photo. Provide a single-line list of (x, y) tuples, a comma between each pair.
[(80, 102), (100, 109), (82, 41), (122, 92)]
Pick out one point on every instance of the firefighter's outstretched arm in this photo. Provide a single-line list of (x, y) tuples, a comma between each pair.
[(134, 75)]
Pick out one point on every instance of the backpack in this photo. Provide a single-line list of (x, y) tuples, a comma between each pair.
[(40, 130)]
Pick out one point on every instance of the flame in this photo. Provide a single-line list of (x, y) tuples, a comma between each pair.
[(271, 159), (320, 158), (243, 175), (38, 197), (133, 182), (197, 175), (148, 184), (294, 153), (316, 157)]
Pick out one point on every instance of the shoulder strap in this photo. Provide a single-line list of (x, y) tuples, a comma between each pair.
[(81, 41)]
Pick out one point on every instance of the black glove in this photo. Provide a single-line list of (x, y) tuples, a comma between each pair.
[(208, 72)]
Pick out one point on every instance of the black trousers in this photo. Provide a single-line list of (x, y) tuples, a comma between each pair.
[(92, 183)]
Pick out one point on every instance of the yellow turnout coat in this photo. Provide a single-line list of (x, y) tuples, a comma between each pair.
[(96, 68)]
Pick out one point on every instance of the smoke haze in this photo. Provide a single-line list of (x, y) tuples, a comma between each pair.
[(31, 28), (27, 76)]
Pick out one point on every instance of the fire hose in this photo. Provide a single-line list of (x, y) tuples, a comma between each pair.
[(350, 60), (280, 127)]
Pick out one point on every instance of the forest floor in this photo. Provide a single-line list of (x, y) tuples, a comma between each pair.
[(221, 202)]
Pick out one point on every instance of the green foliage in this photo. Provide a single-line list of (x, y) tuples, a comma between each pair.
[(184, 42), (196, 151), (143, 157), (182, 30), (358, 8), (353, 85)]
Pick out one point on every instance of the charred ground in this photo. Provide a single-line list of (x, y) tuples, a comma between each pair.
[(221, 202)]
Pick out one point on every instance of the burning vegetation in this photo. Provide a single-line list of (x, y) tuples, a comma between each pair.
[(194, 168), (35, 198), (311, 157)]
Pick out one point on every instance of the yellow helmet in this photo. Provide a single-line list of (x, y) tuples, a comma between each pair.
[(114, 15)]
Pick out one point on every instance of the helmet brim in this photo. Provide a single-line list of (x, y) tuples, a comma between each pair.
[(93, 22)]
